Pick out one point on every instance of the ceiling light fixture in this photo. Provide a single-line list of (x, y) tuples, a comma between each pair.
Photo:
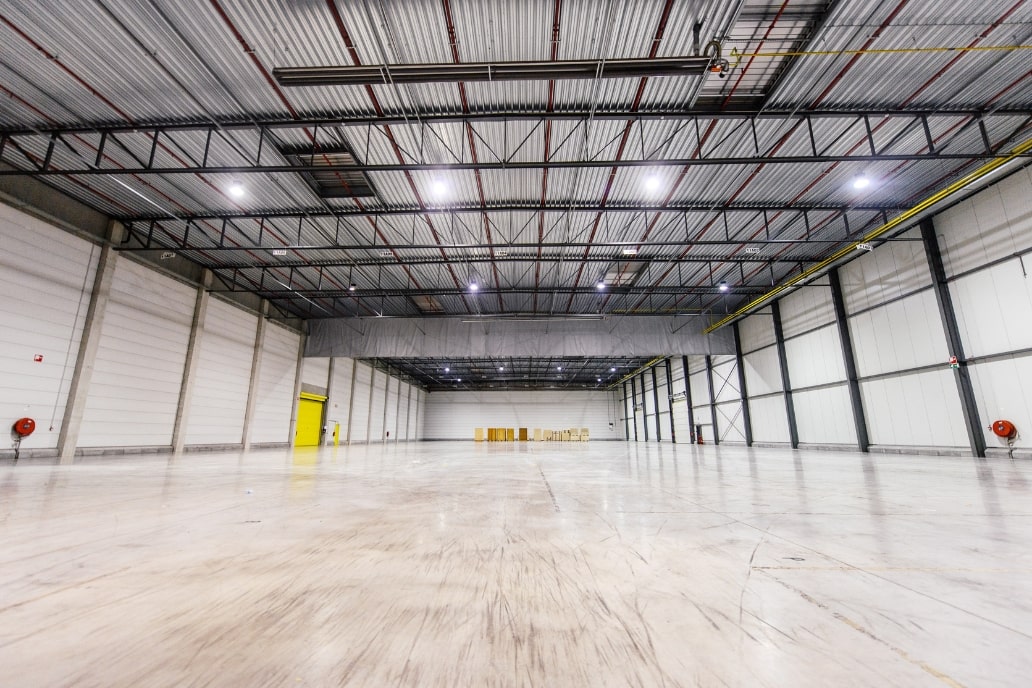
[(601, 285), (447, 370), (612, 370), (440, 187), (473, 286), (652, 183), (558, 367), (630, 251), (236, 189), (352, 287), (723, 286), (861, 182), (501, 368)]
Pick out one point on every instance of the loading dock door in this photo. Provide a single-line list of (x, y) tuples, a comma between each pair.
[(682, 428)]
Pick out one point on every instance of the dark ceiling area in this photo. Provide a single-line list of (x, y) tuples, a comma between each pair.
[(509, 373), (524, 159)]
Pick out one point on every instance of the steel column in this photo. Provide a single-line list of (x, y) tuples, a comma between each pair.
[(944, 300), (740, 364), (655, 405), (634, 407), (786, 383), (644, 409), (849, 359), (256, 369), (670, 403), (627, 429), (688, 400), (712, 399)]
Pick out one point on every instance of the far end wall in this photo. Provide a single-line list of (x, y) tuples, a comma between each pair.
[(454, 415)]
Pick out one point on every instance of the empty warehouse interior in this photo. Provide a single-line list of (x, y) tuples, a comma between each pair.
[(515, 343)]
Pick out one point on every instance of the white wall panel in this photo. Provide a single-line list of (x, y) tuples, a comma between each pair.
[(1003, 391), (762, 371), (994, 308), (699, 383), (274, 398), (824, 416), (340, 395), (134, 394), (664, 401), (639, 411), (360, 411), (731, 422), (993, 224), (894, 269), (390, 430), (376, 410), (900, 335), (806, 308), (815, 358), (645, 381), (46, 296), (421, 426), (725, 379), (315, 371), (921, 410), (454, 415), (769, 419), (757, 331), (223, 375)]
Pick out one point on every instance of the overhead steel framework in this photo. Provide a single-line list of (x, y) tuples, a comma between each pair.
[(64, 152)]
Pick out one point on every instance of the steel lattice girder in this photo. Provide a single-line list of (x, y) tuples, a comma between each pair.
[(695, 208), (218, 127), (83, 158)]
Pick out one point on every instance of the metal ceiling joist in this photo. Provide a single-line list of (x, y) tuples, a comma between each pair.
[(544, 70), (699, 207), (375, 293), (701, 115), (148, 241), (511, 258), (88, 170)]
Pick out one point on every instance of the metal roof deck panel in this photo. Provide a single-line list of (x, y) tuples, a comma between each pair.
[(486, 30)]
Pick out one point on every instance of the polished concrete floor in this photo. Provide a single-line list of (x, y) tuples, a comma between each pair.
[(454, 564)]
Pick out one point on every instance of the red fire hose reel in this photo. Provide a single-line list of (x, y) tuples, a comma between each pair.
[(23, 427), (1004, 429)]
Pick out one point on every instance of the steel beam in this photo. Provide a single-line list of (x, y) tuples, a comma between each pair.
[(700, 207), (655, 405), (948, 315), (644, 409), (222, 126), (712, 400), (634, 407), (626, 424), (449, 72), (670, 405), (849, 359), (786, 382), (688, 400), (596, 163), (740, 365), (288, 293)]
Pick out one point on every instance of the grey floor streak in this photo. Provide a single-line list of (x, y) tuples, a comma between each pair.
[(455, 564)]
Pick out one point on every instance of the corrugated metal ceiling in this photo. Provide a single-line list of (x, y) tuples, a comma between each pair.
[(114, 69)]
